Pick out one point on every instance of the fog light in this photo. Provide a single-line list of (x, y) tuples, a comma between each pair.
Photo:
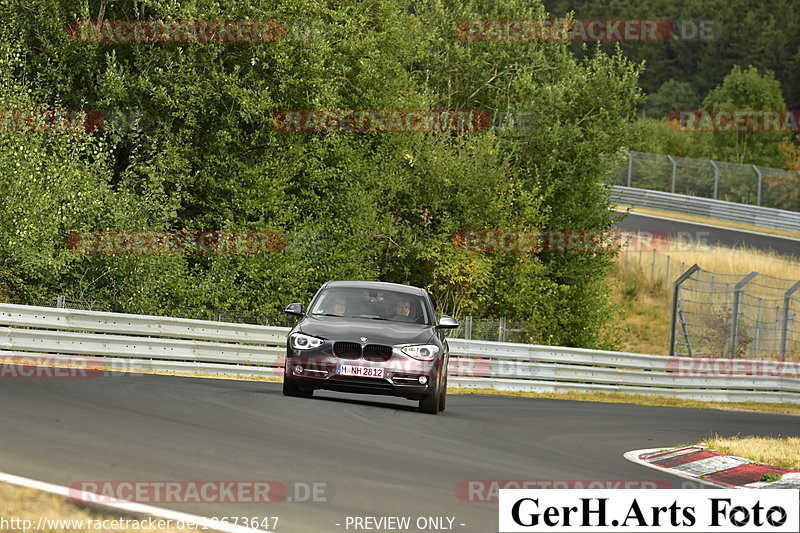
[(298, 369), (423, 380)]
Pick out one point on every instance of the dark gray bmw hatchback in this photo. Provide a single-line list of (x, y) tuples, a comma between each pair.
[(369, 337)]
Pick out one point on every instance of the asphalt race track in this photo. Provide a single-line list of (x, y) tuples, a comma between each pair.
[(710, 234), (378, 456)]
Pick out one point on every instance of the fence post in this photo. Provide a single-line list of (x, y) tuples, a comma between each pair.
[(674, 321), (61, 302), (653, 266), (737, 290), (758, 171), (667, 271), (674, 168), (716, 178), (501, 333), (630, 167), (758, 328), (785, 325), (468, 327)]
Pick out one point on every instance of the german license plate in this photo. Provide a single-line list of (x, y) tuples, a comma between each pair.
[(360, 371)]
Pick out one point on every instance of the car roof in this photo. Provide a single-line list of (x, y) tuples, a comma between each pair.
[(377, 285)]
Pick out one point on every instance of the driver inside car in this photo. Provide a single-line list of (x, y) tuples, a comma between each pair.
[(402, 311)]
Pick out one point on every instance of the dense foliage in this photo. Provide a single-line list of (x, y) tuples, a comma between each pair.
[(193, 146), (763, 34), (721, 54)]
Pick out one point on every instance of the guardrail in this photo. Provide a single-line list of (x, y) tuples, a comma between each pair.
[(140, 342), (118, 342), (552, 369), (707, 207)]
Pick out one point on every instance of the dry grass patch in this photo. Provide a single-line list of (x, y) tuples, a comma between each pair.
[(235, 377), (28, 504), (651, 268), (640, 399), (783, 452), (642, 286), (644, 310)]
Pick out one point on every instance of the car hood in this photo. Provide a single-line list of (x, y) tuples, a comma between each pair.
[(376, 331)]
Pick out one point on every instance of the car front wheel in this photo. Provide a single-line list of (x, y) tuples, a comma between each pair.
[(443, 396), (291, 388), (430, 403)]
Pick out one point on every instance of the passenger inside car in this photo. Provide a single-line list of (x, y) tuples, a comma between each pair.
[(339, 307)]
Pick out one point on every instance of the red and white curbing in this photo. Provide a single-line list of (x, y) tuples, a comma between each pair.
[(713, 467)]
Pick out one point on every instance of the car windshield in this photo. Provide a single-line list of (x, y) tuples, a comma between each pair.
[(371, 303)]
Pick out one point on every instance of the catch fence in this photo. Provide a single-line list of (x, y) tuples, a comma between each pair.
[(731, 182), (750, 316)]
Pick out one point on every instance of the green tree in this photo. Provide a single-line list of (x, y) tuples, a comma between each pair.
[(746, 89), (207, 155), (672, 96)]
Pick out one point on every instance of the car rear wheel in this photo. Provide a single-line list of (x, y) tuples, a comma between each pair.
[(291, 388), (430, 403)]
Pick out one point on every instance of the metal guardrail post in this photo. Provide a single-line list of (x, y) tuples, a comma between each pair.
[(674, 169), (737, 290), (760, 181), (716, 178), (785, 323), (675, 288)]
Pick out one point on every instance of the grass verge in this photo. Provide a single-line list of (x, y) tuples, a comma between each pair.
[(18, 504), (641, 399), (783, 452)]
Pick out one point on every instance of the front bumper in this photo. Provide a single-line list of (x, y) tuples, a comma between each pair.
[(401, 374)]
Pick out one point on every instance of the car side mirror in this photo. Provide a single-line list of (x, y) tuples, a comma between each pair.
[(447, 322), (295, 309)]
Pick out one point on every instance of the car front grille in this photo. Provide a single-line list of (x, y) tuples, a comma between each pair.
[(348, 350), (377, 352), (370, 352)]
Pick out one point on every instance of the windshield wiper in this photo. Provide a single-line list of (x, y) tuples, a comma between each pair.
[(329, 314)]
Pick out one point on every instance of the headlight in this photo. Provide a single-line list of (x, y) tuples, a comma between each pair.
[(304, 342), (423, 352)]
